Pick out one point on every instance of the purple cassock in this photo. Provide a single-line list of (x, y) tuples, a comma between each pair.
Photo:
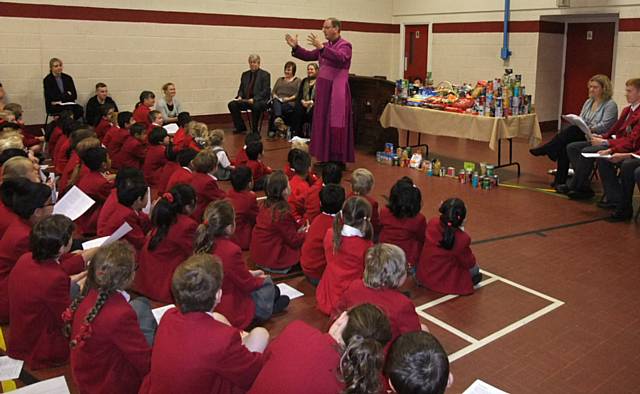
[(332, 129)]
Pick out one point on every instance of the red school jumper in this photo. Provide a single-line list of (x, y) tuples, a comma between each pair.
[(209, 357), (6, 217), (207, 191), (407, 233), (246, 206), (39, 293), (141, 115), (299, 190), (132, 153), (442, 270), (312, 202), (275, 242), (116, 357), (139, 222), (312, 258), (156, 267), (154, 162), (343, 267), (96, 186), (237, 304), (181, 175)]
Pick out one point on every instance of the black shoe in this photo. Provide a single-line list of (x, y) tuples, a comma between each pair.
[(280, 304), (477, 278), (619, 216), (539, 151), (563, 188), (240, 131), (581, 195), (607, 205)]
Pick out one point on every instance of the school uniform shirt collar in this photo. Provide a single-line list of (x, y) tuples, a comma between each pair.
[(635, 106), (332, 215), (125, 295), (348, 231), (213, 177), (187, 168)]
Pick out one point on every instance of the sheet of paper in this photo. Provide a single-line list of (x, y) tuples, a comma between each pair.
[(159, 312), (578, 121), (147, 208), (287, 290), (94, 243), (54, 188), (595, 155), (10, 368), (68, 103), (171, 128), (299, 139), (480, 387), (636, 156), (50, 386), (104, 241), (73, 204)]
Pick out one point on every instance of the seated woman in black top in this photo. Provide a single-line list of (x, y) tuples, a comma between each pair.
[(59, 89), (304, 103)]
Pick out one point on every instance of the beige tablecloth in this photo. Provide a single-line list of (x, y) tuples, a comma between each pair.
[(450, 124)]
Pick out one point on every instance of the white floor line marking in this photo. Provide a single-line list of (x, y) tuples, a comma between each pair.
[(440, 300), (448, 327), (527, 289)]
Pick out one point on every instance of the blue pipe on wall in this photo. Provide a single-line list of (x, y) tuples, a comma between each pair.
[(505, 52)]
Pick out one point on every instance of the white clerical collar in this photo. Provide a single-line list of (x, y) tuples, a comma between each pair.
[(349, 231), (125, 295)]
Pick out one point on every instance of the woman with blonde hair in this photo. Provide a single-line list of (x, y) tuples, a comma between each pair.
[(168, 105), (599, 112)]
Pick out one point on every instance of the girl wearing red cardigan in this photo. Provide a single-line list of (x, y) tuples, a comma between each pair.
[(204, 182), (97, 184), (156, 157), (40, 290), (245, 204), (447, 264), (143, 107), (249, 296), (110, 334), (116, 136), (276, 239), (168, 244), (344, 247)]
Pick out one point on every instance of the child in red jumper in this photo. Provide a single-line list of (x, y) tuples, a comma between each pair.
[(134, 148), (249, 296), (156, 156), (155, 120), (245, 204), (401, 221), (447, 264), (204, 182), (106, 114), (81, 140), (97, 184), (299, 183), (258, 169), (184, 174), (110, 334), (241, 157), (168, 244), (344, 247), (143, 107), (40, 290), (168, 169), (362, 182), (331, 175), (111, 202), (116, 136), (276, 238), (181, 139), (312, 258)]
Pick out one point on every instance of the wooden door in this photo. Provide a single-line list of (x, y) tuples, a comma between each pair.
[(416, 39)]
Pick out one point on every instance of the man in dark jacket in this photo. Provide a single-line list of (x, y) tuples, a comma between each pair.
[(253, 94), (92, 112)]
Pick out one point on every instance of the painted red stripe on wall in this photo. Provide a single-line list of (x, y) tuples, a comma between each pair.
[(496, 27), (46, 11)]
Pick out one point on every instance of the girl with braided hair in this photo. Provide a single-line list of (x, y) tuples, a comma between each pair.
[(345, 246), (347, 359), (447, 264), (168, 243), (110, 334)]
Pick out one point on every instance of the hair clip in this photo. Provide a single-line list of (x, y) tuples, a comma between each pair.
[(206, 222), (168, 196), (449, 224)]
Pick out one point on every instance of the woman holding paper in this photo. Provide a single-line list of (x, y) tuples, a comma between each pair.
[(599, 113)]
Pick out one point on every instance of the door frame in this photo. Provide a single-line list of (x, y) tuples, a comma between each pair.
[(403, 26)]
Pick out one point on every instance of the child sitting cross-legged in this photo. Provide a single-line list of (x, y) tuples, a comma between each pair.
[(245, 204)]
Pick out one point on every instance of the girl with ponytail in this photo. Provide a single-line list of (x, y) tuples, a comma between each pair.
[(143, 107), (345, 246), (447, 264), (168, 244), (347, 359), (249, 296), (110, 336)]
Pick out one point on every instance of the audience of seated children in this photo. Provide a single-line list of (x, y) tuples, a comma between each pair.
[(347, 359), (132, 197), (97, 184), (204, 182), (156, 156), (107, 112), (258, 169), (168, 244), (402, 223), (143, 107), (312, 258), (181, 139), (31, 202), (331, 175), (116, 136), (211, 356), (385, 271), (245, 204), (155, 120), (134, 148), (248, 296), (224, 164), (299, 183), (447, 264), (72, 161), (362, 182), (417, 364), (345, 246), (184, 174), (276, 238), (40, 290), (110, 334)]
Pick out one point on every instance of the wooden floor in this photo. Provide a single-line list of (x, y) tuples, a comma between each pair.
[(558, 310)]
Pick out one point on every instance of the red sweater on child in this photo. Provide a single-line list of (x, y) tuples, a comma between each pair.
[(299, 190), (132, 153), (407, 233), (60, 157), (113, 141), (343, 267), (312, 202), (154, 162), (98, 187), (181, 175), (275, 242), (241, 158), (194, 353), (14, 243), (141, 115), (258, 169), (237, 304), (300, 360), (116, 357), (39, 293), (246, 206), (442, 270), (312, 258), (207, 191), (165, 174), (156, 266), (139, 221), (53, 139), (102, 128), (6, 217)]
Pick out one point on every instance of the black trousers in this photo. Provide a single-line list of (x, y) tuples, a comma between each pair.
[(257, 108), (556, 149), (78, 111), (300, 117), (619, 189)]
